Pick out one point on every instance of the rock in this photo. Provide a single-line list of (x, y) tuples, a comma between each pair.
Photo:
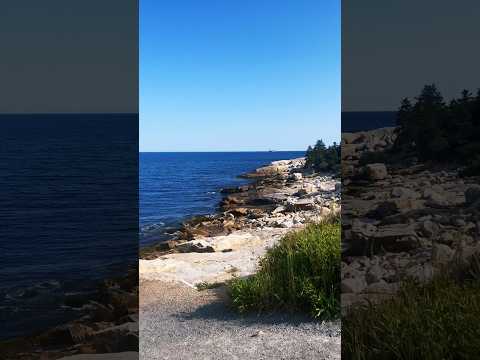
[(384, 209), (429, 228), (400, 192), (472, 195), (347, 171), (279, 209), (58, 336), (422, 273), (117, 338), (80, 332), (302, 204), (348, 151), (374, 274), (102, 312), (353, 285), (377, 171), (441, 254), (435, 199), (296, 176), (258, 333), (362, 229), (382, 287), (309, 188), (199, 246), (239, 211)]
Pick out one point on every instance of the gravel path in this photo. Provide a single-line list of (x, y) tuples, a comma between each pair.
[(178, 322)]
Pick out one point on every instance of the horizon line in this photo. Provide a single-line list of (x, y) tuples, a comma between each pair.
[(220, 151), (70, 113)]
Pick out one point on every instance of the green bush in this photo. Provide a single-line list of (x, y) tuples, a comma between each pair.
[(300, 273), (322, 158)]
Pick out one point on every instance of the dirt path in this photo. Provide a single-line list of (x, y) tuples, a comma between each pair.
[(178, 322)]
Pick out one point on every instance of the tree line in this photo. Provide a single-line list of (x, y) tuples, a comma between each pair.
[(322, 158), (433, 129)]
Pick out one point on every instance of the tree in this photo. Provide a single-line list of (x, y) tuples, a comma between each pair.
[(437, 131), (323, 158)]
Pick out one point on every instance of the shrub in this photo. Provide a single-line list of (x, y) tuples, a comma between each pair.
[(300, 273)]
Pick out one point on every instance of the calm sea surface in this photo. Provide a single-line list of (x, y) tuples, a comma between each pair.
[(175, 186), (353, 121), (68, 212)]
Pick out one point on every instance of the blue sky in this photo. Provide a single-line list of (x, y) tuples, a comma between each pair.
[(231, 75)]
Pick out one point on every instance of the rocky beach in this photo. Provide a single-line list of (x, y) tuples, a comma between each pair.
[(107, 327), (401, 221), (209, 250), (282, 196)]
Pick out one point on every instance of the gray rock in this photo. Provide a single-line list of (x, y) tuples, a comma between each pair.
[(382, 287), (374, 274), (429, 228), (400, 192), (435, 199), (199, 246), (376, 171), (353, 285), (472, 194), (441, 254)]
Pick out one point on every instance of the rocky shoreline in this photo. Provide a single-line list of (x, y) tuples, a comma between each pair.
[(109, 325), (282, 196), (407, 221)]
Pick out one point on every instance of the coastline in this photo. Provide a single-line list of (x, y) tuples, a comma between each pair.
[(185, 309), (282, 196)]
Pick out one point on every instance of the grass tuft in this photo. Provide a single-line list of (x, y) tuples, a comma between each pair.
[(439, 320), (300, 273)]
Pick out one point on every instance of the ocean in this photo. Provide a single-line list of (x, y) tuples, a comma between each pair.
[(68, 212), (353, 121), (176, 186)]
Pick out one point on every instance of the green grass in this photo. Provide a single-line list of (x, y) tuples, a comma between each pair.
[(439, 320), (301, 273)]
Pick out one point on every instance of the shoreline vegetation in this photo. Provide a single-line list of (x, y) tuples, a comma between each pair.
[(300, 273), (411, 228)]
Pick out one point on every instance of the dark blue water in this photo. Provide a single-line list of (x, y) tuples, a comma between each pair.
[(353, 121), (175, 186), (68, 212)]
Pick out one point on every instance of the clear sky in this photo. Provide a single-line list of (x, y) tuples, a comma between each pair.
[(391, 49), (239, 75), (68, 56)]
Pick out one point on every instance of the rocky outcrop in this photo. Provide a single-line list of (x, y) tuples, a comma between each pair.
[(110, 325), (400, 222)]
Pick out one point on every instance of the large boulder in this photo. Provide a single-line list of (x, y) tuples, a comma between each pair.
[(377, 171)]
